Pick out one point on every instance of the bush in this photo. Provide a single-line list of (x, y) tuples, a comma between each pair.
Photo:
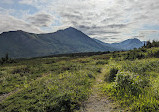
[(112, 74), (146, 105), (125, 84), (64, 104), (6, 59), (90, 75), (101, 62), (50, 62), (156, 55), (22, 70), (99, 70)]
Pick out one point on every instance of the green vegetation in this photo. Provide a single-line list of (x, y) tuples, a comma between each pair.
[(6, 59), (151, 44), (136, 86), (112, 75), (47, 84), (62, 84)]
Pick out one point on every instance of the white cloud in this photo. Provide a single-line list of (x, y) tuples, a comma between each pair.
[(28, 2), (149, 34), (41, 20), (9, 23), (114, 20), (7, 1)]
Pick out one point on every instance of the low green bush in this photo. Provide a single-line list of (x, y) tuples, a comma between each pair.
[(145, 104), (156, 54), (21, 70), (101, 62), (112, 74), (125, 85)]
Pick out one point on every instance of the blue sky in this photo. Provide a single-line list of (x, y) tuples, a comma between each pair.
[(106, 20)]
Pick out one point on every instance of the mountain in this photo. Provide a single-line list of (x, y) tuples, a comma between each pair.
[(108, 45), (128, 44), (124, 45), (103, 43), (20, 44)]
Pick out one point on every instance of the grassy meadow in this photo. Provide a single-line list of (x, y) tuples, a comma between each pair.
[(47, 84), (62, 84)]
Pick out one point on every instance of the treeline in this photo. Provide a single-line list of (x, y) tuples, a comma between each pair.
[(6, 59), (143, 52), (149, 44), (140, 53), (81, 54)]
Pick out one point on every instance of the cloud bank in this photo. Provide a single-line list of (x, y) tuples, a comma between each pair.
[(107, 20)]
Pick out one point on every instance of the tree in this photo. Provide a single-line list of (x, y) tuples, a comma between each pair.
[(149, 45), (7, 57)]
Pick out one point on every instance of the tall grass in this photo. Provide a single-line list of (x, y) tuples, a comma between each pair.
[(136, 85), (48, 84)]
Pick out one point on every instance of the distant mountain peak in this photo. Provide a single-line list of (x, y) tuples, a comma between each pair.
[(67, 29), (132, 40), (20, 31), (136, 39), (128, 44), (17, 31), (70, 28)]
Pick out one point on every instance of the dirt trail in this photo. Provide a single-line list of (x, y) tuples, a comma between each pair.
[(98, 102)]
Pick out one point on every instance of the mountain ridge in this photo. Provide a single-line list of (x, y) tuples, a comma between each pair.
[(128, 44), (21, 44)]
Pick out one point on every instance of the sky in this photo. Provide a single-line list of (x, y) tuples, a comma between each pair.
[(107, 20)]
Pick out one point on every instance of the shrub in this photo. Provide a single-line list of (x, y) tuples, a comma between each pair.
[(112, 74), (64, 104), (101, 62), (6, 59), (50, 62), (126, 86), (90, 75), (22, 70), (156, 55), (146, 105), (99, 70)]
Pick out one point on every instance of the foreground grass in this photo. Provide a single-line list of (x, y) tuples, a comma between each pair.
[(135, 85), (48, 84), (61, 84)]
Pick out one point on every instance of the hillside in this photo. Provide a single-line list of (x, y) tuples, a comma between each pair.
[(118, 81), (20, 44), (128, 44), (108, 45)]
